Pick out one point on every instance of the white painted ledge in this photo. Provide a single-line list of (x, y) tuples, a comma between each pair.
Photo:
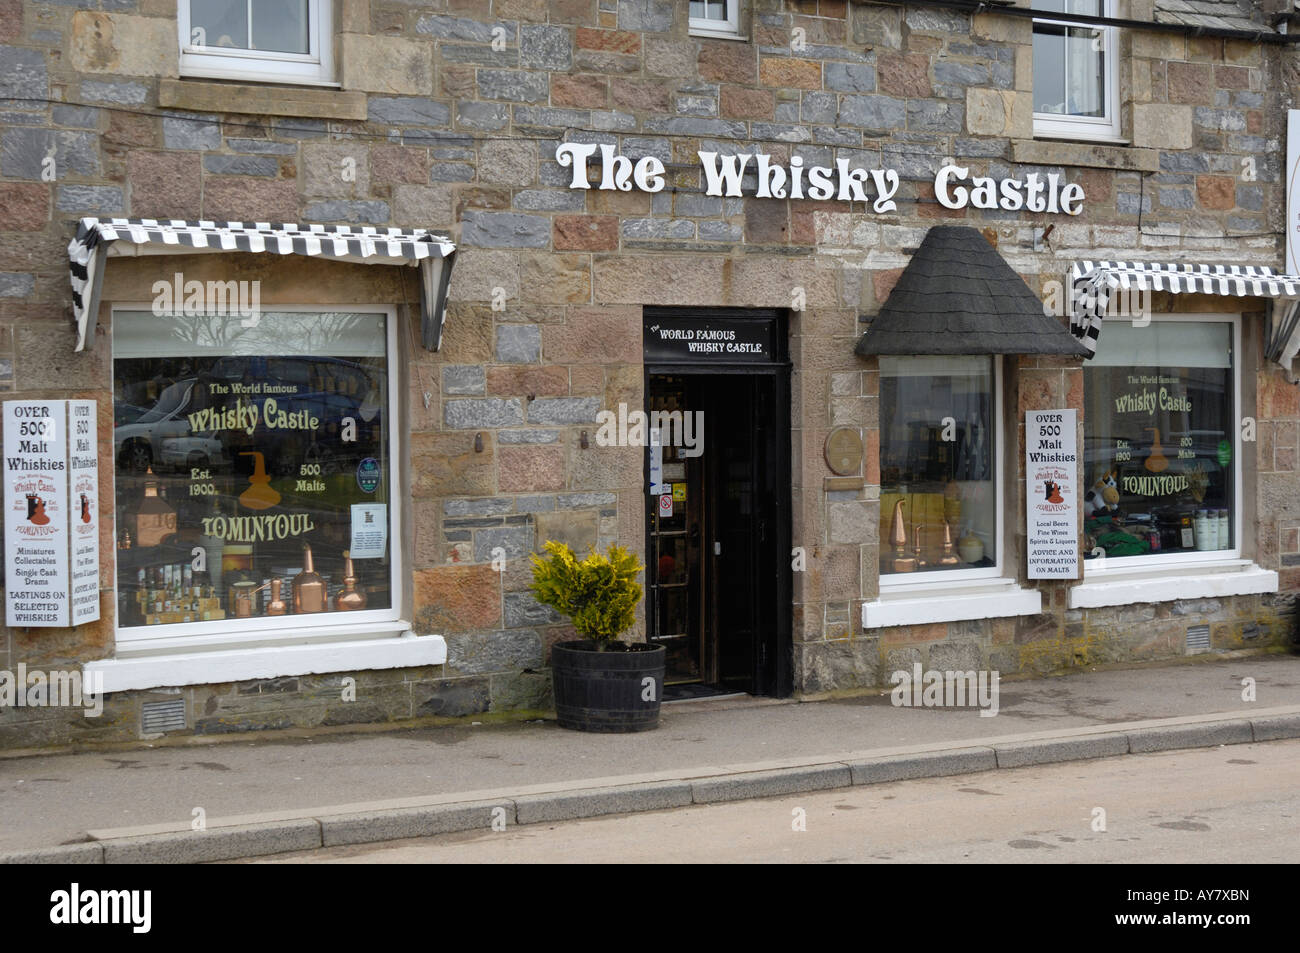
[(203, 668), (923, 604), (1238, 577)]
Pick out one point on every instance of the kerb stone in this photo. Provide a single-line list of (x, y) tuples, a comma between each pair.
[(1190, 736), (624, 799), (229, 843), (372, 826), (822, 777), (929, 764), (1062, 749)]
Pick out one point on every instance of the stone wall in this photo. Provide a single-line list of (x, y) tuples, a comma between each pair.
[(448, 118)]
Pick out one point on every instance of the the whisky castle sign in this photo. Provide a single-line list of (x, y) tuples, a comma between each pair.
[(724, 175)]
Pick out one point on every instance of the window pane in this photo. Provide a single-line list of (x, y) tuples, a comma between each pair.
[(709, 9), (221, 23), (1069, 71), (1160, 439), (280, 25), (1090, 8), (256, 446), (1049, 72), (1085, 74), (937, 459)]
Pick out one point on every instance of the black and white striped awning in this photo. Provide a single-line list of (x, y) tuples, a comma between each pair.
[(1096, 284), (98, 240)]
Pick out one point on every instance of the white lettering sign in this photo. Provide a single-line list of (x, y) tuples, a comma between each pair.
[(725, 173)]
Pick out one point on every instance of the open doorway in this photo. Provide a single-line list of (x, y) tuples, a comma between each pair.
[(718, 508)]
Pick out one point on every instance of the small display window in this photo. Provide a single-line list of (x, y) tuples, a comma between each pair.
[(938, 453)]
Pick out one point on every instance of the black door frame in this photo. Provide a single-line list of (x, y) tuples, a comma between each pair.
[(774, 674)]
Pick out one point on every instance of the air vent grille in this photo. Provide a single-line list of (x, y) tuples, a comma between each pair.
[(1198, 638), (157, 717)]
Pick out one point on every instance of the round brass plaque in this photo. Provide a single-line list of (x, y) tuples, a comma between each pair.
[(844, 451)]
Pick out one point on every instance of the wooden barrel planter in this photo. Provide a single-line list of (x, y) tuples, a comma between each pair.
[(607, 691)]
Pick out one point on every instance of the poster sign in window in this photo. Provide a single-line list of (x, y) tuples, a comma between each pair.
[(1052, 499), (51, 506), (369, 530)]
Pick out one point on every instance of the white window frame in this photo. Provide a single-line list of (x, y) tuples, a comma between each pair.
[(1107, 129), (314, 68), (946, 578), (308, 627), (1182, 562), (728, 29)]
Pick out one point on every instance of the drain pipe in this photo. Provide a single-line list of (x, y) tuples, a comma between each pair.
[(1004, 8)]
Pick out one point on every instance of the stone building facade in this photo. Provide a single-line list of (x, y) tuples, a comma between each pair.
[(447, 116)]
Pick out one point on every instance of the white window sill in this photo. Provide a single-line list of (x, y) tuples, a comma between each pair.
[(1115, 587), (254, 75), (1058, 136), (202, 668), (918, 605), (717, 35)]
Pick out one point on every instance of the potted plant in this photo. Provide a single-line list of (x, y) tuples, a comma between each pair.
[(601, 683)]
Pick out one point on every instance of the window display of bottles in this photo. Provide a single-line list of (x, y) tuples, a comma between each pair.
[(252, 478)]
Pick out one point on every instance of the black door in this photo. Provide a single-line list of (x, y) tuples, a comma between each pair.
[(718, 593)]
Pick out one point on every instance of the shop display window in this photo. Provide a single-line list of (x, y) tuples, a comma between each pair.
[(1161, 442), (939, 505), (254, 470)]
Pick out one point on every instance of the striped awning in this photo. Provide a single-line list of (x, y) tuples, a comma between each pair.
[(98, 240), (1095, 286)]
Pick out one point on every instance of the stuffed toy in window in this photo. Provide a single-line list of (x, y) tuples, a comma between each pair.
[(1103, 498)]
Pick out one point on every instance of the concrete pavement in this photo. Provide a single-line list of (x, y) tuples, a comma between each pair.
[(262, 794)]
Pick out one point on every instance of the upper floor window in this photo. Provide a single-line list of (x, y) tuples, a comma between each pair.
[(285, 41), (1076, 90), (715, 18)]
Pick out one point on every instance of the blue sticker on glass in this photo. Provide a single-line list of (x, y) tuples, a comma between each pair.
[(368, 475)]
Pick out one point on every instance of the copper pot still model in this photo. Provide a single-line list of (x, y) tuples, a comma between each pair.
[(277, 606), (308, 586), (241, 598), (898, 537), (949, 558), (351, 598)]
